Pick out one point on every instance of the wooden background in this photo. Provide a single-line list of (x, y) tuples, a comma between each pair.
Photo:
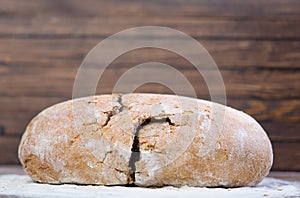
[(255, 43)]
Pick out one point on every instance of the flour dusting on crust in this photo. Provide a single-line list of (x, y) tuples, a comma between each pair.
[(180, 142)]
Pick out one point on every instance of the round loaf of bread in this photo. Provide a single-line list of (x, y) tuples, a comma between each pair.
[(145, 140)]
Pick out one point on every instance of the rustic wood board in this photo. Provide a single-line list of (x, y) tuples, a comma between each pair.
[(255, 43), (231, 54)]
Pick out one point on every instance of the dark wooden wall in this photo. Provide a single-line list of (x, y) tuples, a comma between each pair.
[(255, 43)]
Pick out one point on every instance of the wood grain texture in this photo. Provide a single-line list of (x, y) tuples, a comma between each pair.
[(286, 155), (255, 44), (228, 54), (262, 84), (62, 27), (256, 9), (9, 150)]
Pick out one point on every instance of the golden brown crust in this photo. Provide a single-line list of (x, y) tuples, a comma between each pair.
[(181, 141)]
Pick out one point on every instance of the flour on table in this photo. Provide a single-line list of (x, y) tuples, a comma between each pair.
[(23, 186)]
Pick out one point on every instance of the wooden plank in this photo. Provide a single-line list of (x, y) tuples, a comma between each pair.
[(286, 155), (269, 110), (255, 43), (282, 131), (254, 9), (60, 27), (262, 84), (9, 150), (25, 104), (16, 112), (228, 54)]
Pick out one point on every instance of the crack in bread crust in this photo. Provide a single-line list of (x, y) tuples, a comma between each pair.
[(111, 146), (135, 149)]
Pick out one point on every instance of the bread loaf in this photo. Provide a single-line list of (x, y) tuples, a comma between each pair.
[(145, 140)]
